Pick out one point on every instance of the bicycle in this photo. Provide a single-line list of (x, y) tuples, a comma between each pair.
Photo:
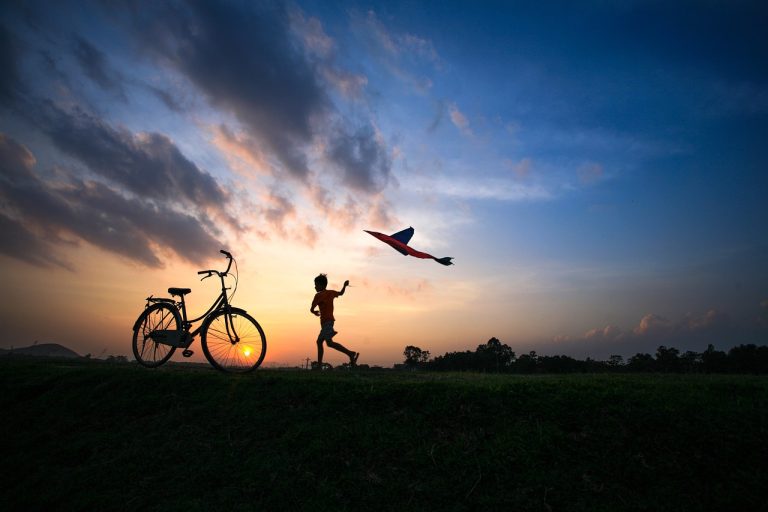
[(232, 340)]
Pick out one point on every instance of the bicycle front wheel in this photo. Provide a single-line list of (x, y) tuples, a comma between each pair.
[(159, 316), (233, 341)]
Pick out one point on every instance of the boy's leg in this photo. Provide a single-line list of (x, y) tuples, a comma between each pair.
[(319, 352), (341, 348)]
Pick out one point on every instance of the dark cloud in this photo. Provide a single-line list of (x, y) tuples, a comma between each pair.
[(20, 243), (148, 165), (247, 60), (48, 213), (95, 66), (167, 98), (9, 59), (244, 60), (361, 158)]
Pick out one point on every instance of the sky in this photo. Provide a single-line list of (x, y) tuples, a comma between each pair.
[(598, 170)]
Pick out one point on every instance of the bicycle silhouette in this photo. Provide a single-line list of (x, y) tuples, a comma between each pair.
[(232, 340)]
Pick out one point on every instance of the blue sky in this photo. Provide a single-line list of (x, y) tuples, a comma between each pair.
[(598, 170)]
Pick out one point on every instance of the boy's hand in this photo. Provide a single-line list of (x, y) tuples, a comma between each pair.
[(316, 313), (346, 283)]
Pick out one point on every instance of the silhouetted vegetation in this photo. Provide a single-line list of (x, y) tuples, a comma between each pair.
[(497, 357), (415, 357), (90, 435)]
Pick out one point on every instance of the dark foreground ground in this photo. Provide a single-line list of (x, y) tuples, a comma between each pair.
[(94, 436)]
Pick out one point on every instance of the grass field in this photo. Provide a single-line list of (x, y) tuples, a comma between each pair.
[(94, 436)]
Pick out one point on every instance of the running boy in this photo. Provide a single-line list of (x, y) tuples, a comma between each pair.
[(324, 300)]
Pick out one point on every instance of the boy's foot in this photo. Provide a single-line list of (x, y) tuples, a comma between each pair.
[(353, 358)]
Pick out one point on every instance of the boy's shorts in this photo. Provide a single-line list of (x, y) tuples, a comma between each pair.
[(326, 331)]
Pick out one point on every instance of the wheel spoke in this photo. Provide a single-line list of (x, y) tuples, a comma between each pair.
[(235, 343), (146, 350)]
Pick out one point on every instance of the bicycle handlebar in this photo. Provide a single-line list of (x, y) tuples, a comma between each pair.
[(222, 274), (229, 257)]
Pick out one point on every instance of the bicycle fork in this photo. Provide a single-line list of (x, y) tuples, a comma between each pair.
[(229, 325)]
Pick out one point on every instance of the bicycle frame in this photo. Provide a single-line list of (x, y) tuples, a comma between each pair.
[(220, 303), (184, 337)]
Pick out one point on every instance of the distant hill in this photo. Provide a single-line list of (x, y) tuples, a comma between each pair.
[(43, 350)]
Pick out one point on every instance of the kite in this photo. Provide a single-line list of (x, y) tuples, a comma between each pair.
[(399, 242)]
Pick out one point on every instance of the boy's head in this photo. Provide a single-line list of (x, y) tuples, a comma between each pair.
[(321, 282)]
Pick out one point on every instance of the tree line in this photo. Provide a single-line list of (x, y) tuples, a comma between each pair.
[(497, 357)]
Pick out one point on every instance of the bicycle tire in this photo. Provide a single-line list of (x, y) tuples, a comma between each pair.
[(146, 351), (241, 355)]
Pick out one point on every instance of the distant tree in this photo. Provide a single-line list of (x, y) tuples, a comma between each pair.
[(414, 356), (748, 359), (690, 362), (559, 364), (714, 361), (454, 362), (667, 359), (527, 363), (494, 356), (641, 363)]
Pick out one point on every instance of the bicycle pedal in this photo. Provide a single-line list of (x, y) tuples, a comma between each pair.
[(187, 353)]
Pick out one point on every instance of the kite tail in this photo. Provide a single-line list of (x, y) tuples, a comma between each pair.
[(444, 261)]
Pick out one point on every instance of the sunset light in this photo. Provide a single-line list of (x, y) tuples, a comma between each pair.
[(592, 185)]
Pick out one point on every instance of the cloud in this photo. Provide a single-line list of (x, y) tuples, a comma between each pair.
[(478, 188), (690, 332), (361, 158), (322, 48), (344, 216), (397, 52), (95, 66), (243, 58), (242, 153), (51, 213), (459, 120), (270, 68), (166, 97), (146, 164), (590, 173), (20, 243), (310, 31), (409, 289), (521, 170), (277, 211), (9, 62)]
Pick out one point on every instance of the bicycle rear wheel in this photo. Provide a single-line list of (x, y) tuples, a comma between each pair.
[(233, 341), (159, 316)]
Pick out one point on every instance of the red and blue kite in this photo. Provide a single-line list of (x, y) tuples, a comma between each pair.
[(399, 242)]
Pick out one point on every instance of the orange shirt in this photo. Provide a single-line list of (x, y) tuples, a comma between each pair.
[(324, 300)]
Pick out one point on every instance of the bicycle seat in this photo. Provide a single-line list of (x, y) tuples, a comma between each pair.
[(179, 291)]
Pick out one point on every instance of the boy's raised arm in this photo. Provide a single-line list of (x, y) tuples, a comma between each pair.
[(346, 283)]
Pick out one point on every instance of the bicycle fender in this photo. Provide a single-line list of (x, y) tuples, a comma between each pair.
[(137, 323), (231, 310)]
